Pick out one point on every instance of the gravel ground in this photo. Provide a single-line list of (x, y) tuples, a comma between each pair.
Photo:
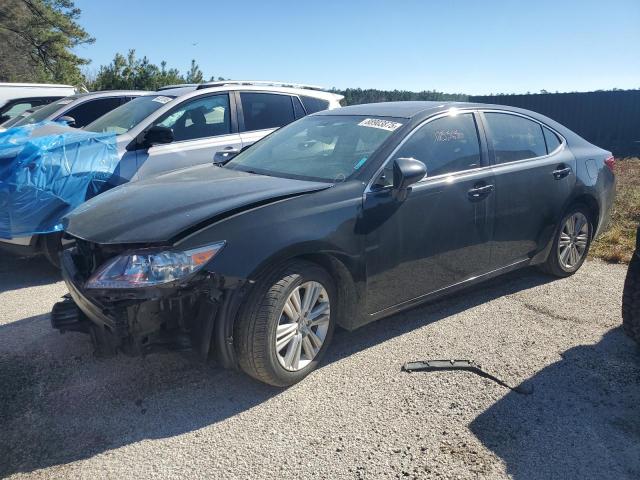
[(64, 413)]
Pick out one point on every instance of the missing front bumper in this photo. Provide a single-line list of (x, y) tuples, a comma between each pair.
[(136, 323)]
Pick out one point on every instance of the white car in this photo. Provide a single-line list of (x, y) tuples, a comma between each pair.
[(190, 125), (76, 110), (16, 98)]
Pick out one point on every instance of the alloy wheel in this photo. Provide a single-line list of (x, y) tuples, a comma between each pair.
[(574, 238), (303, 325)]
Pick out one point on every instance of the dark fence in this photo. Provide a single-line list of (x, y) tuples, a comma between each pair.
[(610, 120)]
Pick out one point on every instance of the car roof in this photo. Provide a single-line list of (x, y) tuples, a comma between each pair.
[(109, 93), (413, 109), (390, 109), (203, 88), (42, 85), (177, 91), (419, 110)]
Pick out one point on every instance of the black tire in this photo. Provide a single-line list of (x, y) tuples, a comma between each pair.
[(255, 329), (51, 246), (631, 300), (553, 265)]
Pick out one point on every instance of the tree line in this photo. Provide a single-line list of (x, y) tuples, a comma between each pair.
[(38, 38), (37, 42), (132, 73)]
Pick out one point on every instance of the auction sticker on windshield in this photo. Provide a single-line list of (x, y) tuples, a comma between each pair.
[(162, 99), (377, 123)]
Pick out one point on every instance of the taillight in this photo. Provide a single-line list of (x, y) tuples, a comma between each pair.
[(610, 162)]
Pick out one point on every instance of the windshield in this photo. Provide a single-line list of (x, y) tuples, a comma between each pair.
[(44, 112), (325, 147), (14, 120), (127, 116)]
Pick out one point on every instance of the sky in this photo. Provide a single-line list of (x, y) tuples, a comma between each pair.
[(455, 46)]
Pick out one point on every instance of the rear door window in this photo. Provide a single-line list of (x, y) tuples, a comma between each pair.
[(298, 109), (553, 142), (266, 110), (313, 105), (514, 138), (87, 112)]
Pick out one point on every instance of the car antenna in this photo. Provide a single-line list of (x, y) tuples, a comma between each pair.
[(465, 365)]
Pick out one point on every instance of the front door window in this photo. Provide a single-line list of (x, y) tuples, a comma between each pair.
[(199, 118)]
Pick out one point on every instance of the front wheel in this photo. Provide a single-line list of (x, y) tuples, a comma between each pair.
[(571, 244), (287, 324)]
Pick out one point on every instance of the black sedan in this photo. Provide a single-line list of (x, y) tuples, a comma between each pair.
[(340, 218)]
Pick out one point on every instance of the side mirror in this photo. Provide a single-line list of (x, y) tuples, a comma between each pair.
[(406, 172), (157, 135), (69, 121), (224, 156)]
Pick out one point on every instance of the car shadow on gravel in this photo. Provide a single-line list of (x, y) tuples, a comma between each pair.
[(20, 272), (582, 421), (59, 404)]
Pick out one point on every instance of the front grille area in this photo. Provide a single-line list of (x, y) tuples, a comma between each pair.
[(137, 320), (89, 256), (86, 258)]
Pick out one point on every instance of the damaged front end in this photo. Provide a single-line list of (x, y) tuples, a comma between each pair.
[(192, 312)]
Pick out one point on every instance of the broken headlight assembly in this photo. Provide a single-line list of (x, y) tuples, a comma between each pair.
[(151, 267)]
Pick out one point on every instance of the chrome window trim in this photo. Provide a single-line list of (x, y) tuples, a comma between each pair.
[(562, 146), (410, 134), (202, 139)]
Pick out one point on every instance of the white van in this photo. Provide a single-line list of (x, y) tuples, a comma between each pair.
[(15, 98)]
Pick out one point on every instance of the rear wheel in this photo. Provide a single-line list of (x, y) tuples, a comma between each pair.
[(631, 300), (287, 324), (571, 245)]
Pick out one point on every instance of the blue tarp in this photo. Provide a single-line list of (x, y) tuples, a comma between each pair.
[(46, 170)]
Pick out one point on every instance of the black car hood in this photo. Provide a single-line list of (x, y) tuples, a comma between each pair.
[(161, 208)]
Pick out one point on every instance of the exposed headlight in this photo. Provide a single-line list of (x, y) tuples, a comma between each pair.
[(151, 267)]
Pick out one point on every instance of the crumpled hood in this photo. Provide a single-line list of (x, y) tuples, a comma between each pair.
[(159, 209)]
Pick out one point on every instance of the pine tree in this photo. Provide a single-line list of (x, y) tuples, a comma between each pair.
[(37, 38)]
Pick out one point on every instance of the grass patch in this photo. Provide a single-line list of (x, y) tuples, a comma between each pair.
[(618, 242)]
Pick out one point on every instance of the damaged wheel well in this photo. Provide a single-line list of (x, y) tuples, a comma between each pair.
[(345, 286), (231, 304)]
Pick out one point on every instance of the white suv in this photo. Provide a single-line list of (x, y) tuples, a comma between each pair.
[(16, 98), (184, 126)]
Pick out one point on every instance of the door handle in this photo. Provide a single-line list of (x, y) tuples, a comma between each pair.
[(477, 193), (226, 154), (561, 172)]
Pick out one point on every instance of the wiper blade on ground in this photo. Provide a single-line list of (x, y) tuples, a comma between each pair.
[(465, 365)]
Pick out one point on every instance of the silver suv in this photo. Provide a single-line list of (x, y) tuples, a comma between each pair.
[(188, 125), (185, 126)]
